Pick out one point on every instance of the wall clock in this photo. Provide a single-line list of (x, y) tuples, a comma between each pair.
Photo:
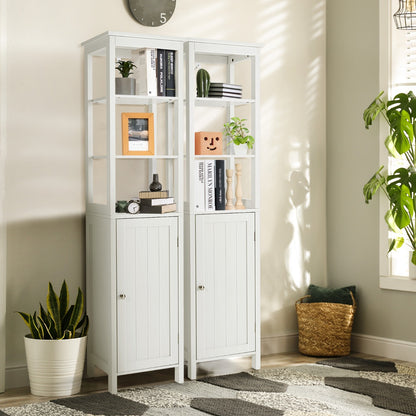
[(152, 12)]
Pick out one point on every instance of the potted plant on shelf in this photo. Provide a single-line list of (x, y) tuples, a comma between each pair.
[(125, 85), (400, 186), (55, 348), (238, 133)]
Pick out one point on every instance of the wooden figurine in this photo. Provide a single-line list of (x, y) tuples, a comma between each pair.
[(229, 194), (238, 191)]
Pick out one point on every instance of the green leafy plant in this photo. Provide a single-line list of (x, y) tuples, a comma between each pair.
[(238, 133), (400, 186), (125, 68), (58, 320)]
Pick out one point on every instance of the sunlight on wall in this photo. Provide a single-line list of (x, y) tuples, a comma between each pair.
[(293, 134)]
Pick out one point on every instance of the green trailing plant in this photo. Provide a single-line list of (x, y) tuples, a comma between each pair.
[(203, 82), (58, 320), (238, 133), (125, 67), (400, 186)]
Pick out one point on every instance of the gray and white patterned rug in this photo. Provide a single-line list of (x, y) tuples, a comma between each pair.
[(345, 386)]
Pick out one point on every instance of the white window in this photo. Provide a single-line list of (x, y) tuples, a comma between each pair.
[(397, 74)]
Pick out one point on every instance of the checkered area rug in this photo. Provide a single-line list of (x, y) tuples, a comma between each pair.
[(346, 387)]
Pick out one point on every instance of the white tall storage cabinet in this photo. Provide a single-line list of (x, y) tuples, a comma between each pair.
[(134, 261), (222, 253)]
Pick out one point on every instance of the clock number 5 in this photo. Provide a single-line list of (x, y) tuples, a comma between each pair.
[(163, 18)]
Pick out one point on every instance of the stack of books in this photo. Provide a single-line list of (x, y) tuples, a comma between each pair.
[(209, 185), (157, 72), (220, 90), (158, 202)]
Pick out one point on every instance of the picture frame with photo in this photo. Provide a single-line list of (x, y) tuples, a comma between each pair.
[(138, 134)]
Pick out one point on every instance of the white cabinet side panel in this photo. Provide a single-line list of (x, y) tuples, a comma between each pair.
[(147, 287), (99, 299), (225, 285)]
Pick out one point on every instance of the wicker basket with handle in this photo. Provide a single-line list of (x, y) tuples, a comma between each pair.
[(325, 328)]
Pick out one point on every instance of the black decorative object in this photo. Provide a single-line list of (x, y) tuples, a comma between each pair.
[(405, 17), (155, 185)]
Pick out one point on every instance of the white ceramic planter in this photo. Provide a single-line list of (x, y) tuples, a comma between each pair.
[(240, 150), (55, 366)]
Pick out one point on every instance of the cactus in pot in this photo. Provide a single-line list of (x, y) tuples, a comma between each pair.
[(202, 83)]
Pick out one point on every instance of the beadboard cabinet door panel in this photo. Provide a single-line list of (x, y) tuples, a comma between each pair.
[(225, 285), (147, 287)]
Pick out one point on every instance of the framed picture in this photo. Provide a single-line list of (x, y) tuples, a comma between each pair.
[(138, 133)]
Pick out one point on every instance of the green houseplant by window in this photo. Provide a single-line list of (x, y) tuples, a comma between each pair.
[(55, 347), (400, 186)]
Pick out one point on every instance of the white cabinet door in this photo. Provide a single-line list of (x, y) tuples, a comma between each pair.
[(225, 285), (147, 290)]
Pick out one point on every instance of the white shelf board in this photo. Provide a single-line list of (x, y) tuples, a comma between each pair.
[(218, 102), (164, 157), (135, 100)]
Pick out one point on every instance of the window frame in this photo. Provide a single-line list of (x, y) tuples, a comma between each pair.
[(386, 279)]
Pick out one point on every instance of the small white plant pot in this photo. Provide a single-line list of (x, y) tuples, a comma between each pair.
[(240, 150), (55, 366)]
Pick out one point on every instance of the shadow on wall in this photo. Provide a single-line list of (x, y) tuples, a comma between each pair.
[(39, 252), (293, 160)]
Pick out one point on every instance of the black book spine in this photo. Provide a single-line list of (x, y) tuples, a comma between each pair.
[(161, 72), (219, 185), (170, 74)]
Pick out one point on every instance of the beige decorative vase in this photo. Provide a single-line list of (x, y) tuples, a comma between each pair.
[(55, 366)]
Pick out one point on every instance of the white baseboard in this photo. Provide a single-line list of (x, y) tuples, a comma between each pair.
[(384, 347), (279, 344), (16, 377)]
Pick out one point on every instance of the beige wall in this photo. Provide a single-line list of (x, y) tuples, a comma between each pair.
[(45, 167), (352, 154)]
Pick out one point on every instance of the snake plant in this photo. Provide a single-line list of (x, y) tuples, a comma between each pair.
[(58, 320), (400, 186)]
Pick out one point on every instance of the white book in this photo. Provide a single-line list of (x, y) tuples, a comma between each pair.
[(152, 202), (199, 185), (210, 185), (146, 72)]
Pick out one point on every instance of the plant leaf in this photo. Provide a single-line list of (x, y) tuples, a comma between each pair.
[(396, 243), (63, 300), (401, 204), (373, 185), (77, 311), (373, 110), (52, 302)]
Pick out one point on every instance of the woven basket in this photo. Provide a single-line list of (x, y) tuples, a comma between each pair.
[(325, 328)]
